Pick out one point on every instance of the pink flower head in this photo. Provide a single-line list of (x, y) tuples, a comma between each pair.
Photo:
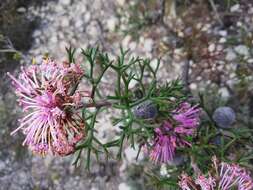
[(186, 182), (227, 177), (164, 145), (168, 137), (232, 175), (50, 125), (187, 118), (206, 183)]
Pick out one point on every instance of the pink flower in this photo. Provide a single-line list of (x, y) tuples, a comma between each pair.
[(187, 118), (164, 145), (233, 175), (206, 183), (186, 182), (168, 137), (50, 124), (227, 177)]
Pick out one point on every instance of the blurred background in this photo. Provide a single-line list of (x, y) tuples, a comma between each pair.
[(212, 39)]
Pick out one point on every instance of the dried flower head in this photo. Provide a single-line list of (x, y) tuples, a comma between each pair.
[(44, 93)]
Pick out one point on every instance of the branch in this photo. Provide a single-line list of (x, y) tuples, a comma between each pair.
[(99, 104), (185, 74), (195, 166), (216, 12)]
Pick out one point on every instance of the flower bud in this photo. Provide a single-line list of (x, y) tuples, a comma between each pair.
[(145, 110), (224, 117)]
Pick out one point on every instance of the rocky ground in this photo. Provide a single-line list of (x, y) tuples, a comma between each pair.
[(61, 23), (84, 23)]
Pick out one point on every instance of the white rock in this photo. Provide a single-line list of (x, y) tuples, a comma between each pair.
[(78, 23), (132, 83), (21, 10), (223, 33), (65, 22), (112, 23), (230, 55), (239, 24), (124, 186), (180, 34), (132, 45), (154, 63), (92, 29), (65, 2), (224, 92), (219, 47), (222, 40), (250, 60), (37, 33), (220, 68), (235, 8), (211, 47), (193, 86), (121, 2), (87, 17), (242, 50), (132, 153), (126, 41), (53, 39)]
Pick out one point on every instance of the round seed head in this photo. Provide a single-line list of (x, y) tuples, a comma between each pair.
[(224, 117), (145, 110)]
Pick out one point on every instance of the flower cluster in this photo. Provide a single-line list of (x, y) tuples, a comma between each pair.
[(226, 177), (45, 93), (172, 133)]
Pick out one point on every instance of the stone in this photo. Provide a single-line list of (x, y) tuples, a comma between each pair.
[(92, 29), (65, 2), (132, 45), (230, 56), (37, 33), (65, 22), (87, 17), (21, 10), (193, 86), (53, 39), (224, 92), (211, 47), (112, 23), (124, 186), (148, 45), (250, 60), (131, 154), (126, 41), (242, 50), (79, 24), (121, 2), (235, 8), (222, 40), (223, 33)]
